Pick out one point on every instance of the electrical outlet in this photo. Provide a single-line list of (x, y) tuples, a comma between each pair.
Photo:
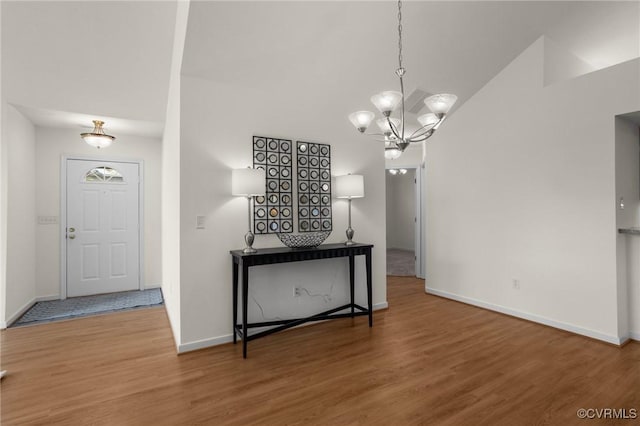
[(297, 292), (516, 284)]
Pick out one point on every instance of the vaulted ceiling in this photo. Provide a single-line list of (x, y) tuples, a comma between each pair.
[(113, 58), (347, 51)]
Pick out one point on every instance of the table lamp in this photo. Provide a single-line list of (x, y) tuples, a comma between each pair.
[(248, 183), (349, 187)]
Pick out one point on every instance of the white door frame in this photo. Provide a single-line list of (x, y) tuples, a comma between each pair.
[(419, 237), (63, 214), (420, 241)]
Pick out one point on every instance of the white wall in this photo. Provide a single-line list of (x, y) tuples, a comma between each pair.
[(50, 146), (3, 197), (632, 249), (401, 210), (171, 180), (217, 125), (19, 171), (627, 136), (520, 185)]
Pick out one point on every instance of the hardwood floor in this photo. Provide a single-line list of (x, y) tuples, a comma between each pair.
[(427, 360)]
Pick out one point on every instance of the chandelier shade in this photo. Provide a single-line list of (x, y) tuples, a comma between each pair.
[(97, 138), (440, 104), (361, 120), (385, 125), (428, 120), (387, 102), (396, 134)]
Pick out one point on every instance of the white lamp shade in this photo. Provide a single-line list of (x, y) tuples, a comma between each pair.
[(248, 182), (384, 126), (392, 153), (350, 186), (361, 119), (387, 102), (98, 141), (428, 120), (440, 104)]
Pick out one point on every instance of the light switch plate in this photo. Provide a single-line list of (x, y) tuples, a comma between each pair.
[(47, 220), (200, 220)]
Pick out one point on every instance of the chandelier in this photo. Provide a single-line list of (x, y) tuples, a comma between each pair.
[(396, 135)]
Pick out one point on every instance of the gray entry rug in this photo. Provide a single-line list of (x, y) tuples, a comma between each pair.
[(74, 307), (401, 263)]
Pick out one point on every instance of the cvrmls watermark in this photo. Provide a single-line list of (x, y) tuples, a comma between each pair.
[(607, 413)]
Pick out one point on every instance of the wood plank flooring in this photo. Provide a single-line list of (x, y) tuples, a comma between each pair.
[(427, 360)]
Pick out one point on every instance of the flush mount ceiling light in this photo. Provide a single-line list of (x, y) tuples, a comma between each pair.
[(396, 135), (398, 171), (98, 138)]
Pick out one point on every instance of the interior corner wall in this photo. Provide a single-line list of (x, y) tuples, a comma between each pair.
[(627, 134), (171, 210), (520, 187), (171, 177), (18, 177), (401, 210), (3, 198), (51, 145), (207, 158)]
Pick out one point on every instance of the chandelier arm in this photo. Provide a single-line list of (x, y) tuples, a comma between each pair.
[(421, 132), (435, 126), (393, 128), (425, 136), (374, 134), (422, 138)]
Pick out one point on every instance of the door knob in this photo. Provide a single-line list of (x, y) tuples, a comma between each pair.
[(72, 229), (72, 236)]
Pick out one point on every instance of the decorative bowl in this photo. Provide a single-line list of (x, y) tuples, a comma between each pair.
[(304, 240)]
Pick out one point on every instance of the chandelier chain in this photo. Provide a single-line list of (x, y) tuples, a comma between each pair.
[(399, 34)]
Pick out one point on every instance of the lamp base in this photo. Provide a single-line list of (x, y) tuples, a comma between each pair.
[(349, 233), (248, 239)]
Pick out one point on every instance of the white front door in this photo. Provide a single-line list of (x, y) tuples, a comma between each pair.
[(102, 237)]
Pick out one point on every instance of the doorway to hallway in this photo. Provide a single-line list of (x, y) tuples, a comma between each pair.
[(403, 221)]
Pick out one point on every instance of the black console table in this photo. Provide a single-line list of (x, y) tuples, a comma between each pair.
[(269, 256)]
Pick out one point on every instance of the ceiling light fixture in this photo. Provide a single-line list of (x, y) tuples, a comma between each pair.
[(396, 136), (397, 171), (98, 138)]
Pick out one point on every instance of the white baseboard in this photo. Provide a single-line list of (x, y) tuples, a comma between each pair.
[(150, 286), (204, 343), (381, 305), (47, 298), (634, 335), (228, 338), (527, 316), (10, 320)]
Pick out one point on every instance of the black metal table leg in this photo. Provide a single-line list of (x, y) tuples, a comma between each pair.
[(242, 262), (352, 281), (234, 269), (245, 303), (369, 289)]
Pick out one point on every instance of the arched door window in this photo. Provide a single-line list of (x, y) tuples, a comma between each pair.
[(103, 174)]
